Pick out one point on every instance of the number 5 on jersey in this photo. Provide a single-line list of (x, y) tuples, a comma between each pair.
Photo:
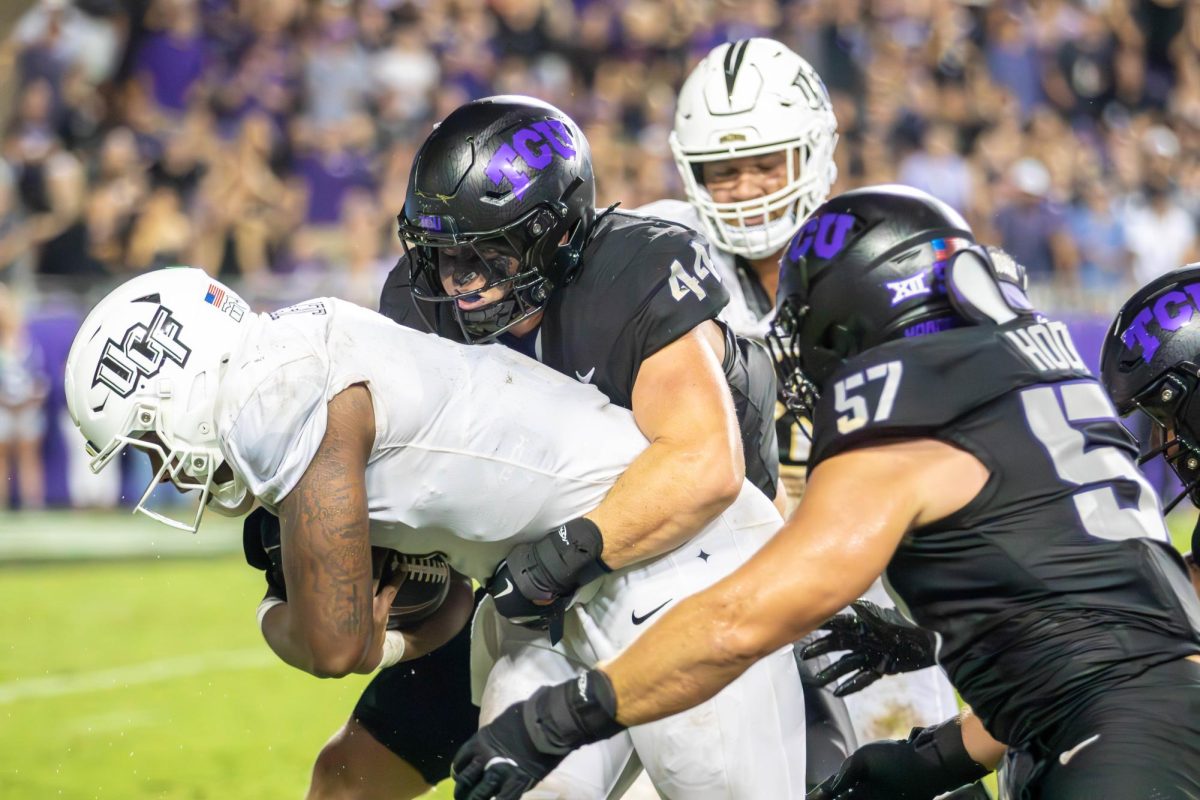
[(1056, 415)]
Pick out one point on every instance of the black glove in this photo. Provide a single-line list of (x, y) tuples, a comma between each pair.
[(529, 739), (881, 641), (932, 761), (260, 543), (518, 608), (501, 760), (534, 585)]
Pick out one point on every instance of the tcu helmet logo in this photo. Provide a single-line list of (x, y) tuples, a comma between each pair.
[(1170, 311), (141, 353), (535, 146), (824, 235)]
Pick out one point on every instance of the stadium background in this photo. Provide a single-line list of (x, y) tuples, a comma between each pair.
[(269, 141)]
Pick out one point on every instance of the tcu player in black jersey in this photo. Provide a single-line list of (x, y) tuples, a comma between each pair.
[(754, 139), (504, 244), (1151, 363), (961, 445)]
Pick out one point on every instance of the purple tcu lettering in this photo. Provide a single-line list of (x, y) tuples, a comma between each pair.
[(824, 235), (1170, 311), (930, 326), (429, 223), (536, 146)]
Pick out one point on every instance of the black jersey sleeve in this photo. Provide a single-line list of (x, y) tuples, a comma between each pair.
[(396, 300), (642, 284), (915, 388), (676, 288), (651, 281)]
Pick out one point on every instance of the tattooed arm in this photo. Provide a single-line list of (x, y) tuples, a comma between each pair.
[(329, 626)]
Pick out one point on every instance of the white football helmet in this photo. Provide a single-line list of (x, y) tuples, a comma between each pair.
[(750, 98), (144, 371)]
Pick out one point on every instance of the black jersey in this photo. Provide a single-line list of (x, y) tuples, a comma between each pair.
[(643, 282), (1056, 582)]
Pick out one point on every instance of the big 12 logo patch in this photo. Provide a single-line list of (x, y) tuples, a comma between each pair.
[(141, 353)]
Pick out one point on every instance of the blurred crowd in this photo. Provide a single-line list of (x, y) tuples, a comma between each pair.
[(269, 141)]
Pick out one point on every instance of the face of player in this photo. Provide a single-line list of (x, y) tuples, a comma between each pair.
[(465, 271), (223, 474), (738, 180)]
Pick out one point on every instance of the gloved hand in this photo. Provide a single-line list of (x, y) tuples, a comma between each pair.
[(930, 762), (535, 584), (521, 746), (261, 545), (881, 641), (518, 608), (501, 760)]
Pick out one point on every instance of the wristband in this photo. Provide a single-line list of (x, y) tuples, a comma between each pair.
[(567, 716), (266, 605), (560, 562), (394, 646)]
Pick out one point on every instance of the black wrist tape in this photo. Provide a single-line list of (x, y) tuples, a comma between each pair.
[(562, 560), (569, 715)]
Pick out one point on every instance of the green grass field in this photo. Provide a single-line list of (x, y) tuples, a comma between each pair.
[(130, 679)]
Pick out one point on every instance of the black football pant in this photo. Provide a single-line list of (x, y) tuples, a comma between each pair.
[(1140, 741), (421, 710)]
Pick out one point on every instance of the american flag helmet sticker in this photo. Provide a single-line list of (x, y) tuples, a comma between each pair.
[(215, 295)]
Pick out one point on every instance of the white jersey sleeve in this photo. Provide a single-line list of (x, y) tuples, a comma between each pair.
[(274, 434), (476, 448), (274, 402)]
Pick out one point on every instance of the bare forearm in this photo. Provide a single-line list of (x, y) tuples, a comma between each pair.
[(709, 639), (823, 558), (687, 660), (665, 497), (693, 468), (283, 637), (326, 550)]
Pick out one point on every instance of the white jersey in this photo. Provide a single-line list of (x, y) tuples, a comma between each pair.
[(738, 315), (480, 448), (476, 448)]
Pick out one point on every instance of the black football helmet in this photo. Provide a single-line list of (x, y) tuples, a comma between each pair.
[(873, 265), (502, 189), (1150, 362)]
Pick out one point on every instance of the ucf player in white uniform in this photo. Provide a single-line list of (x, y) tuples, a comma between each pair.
[(360, 432), (754, 139)]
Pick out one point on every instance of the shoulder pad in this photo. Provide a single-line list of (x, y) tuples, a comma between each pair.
[(915, 387)]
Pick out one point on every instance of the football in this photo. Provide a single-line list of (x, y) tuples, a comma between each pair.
[(424, 584)]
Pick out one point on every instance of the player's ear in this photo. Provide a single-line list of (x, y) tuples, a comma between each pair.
[(979, 293)]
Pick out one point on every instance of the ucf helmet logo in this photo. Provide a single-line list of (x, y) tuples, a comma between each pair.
[(141, 353)]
